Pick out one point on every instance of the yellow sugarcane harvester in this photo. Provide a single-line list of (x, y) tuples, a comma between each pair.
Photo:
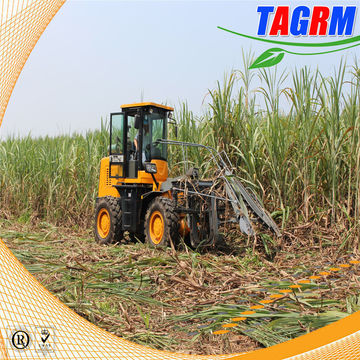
[(137, 196)]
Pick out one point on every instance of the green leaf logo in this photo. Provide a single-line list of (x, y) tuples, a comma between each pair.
[(269, 58), (273, 56)]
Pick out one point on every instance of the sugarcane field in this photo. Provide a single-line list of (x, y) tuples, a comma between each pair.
[(218, 233)]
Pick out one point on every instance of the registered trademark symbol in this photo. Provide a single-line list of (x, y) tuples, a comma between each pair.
[(20, 340)]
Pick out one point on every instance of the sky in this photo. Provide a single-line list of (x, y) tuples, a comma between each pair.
[(96, 55)]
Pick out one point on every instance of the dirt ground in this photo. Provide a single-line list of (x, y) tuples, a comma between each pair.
[(235, 298)]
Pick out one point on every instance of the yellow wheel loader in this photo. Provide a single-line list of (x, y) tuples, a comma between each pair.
[(137, 196)]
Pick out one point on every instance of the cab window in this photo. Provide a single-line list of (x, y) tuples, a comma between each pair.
[(117, 132), (157, 123)]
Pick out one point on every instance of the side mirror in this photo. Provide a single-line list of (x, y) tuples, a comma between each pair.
[(176, 131), (137, 121)]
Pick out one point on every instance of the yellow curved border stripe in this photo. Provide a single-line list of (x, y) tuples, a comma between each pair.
[(21, 24), (25, 304), (3, 354)]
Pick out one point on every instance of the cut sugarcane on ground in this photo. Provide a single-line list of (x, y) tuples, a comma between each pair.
[(175, 299)]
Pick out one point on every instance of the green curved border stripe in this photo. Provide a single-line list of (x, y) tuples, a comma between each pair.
[(274, 56)]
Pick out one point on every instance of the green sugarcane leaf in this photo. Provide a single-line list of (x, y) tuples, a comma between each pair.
[(269, 58)]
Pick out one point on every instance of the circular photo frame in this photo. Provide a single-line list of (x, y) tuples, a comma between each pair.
[(35, 324)]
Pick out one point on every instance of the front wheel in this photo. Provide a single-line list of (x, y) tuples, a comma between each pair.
[(161, 222), (108, 221)]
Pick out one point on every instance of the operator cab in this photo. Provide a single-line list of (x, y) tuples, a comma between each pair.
[(133, 138)]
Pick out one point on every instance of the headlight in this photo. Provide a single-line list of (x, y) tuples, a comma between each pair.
[(150, 168)]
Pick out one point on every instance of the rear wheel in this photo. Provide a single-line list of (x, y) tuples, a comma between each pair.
[(161, 222), (108, 221)]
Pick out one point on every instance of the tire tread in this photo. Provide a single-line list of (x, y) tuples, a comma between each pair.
[(114, 207), (171, 220)]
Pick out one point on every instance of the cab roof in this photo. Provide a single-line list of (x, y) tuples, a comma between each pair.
[(136, 105)]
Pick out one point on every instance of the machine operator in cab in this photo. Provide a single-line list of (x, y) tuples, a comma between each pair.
[(146, 138)]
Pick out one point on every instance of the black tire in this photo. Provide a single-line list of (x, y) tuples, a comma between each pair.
[(161, 209), (108, 221)]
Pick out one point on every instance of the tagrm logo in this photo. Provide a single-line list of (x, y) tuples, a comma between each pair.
[(302, 21)]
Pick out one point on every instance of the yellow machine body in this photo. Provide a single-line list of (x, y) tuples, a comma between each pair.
[(143, 104), (106, 184), (130, 196)]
